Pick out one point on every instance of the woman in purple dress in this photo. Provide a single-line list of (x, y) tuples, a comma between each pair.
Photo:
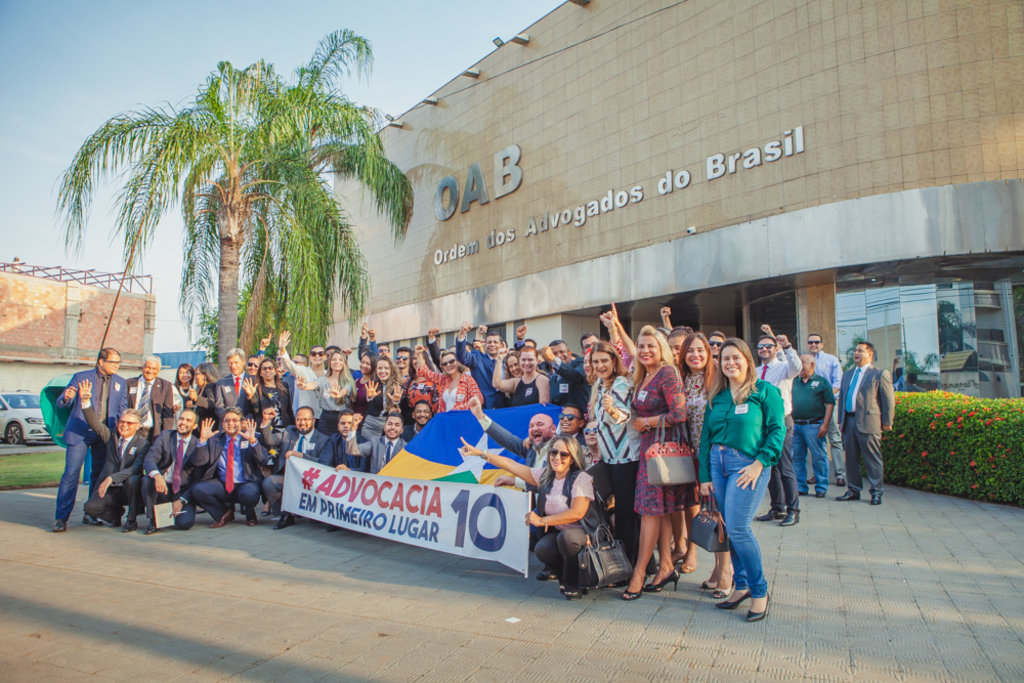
[(658, 397)]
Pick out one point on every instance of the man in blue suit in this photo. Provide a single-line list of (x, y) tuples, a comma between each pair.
[(232, 459), (110, 399)]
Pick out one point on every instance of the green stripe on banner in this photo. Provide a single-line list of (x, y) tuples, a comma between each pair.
[(463, 477)]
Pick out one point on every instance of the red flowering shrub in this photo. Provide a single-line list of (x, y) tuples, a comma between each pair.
[(958, 445)]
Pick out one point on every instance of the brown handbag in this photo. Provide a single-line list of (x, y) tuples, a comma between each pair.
[(669, 462)]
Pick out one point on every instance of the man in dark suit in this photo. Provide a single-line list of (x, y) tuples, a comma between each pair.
[(153, 397), (376, 453), (118, 485), (111, 400), (168, 470), (867, 406), (229, 387), (298, 441), (232, 457)]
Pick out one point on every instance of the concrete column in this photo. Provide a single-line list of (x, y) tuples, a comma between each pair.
[(816, 312)]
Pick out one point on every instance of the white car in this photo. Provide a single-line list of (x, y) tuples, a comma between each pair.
[(21, 418)]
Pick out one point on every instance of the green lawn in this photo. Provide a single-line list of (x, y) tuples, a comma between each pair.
[(31, 470)]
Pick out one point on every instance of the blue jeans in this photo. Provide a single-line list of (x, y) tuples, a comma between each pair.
[(75, 456), (738, 507), (805, 437)]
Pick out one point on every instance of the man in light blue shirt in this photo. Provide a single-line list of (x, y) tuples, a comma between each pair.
[(828, 366)]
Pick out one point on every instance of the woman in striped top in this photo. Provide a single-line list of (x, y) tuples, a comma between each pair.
[(609, 407)]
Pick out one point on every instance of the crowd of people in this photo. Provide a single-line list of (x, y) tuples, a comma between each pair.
[(211, 443)]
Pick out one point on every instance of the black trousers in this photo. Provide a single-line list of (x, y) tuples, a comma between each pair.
[(559, 550), (110, 507), (782, 486), (627, 522), (215, 499), (185, 519)]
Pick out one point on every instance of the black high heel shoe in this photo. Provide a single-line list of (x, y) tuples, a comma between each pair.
[(758, 616), (631, 595), (732, 604), (672, 578)]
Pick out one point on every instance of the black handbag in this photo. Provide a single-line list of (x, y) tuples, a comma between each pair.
[(603, 560), (708, 527)]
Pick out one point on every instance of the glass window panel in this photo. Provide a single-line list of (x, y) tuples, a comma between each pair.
[(851, 324), (882, 308), (958, 362), (918, 360)]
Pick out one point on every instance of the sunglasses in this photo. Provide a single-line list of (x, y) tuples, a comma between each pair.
[(318, 353), (250, 365), (568, 416), (813, 341), (559, 455), (446, 363), (711, 343), (590, 430), (765, 346)]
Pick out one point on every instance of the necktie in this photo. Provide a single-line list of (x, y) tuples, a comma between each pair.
[(301, 447), (850, 393), (764, 370), (144, 407), (229, 483), (120, 449), (387, 455), (237, 381), (104, 394), (178, 458)]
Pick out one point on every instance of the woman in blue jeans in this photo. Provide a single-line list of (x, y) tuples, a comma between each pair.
[(744, 428)]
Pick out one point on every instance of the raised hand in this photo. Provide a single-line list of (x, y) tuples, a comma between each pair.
[(357, 419), (206, 431), (767, 329), (373, 334), (249, 387), (467, 450), (464, 330), (70, 392), (365, 331), (264, 343), (249, 430), (432, 333), (193, 396), (372, 390), (301, 385), (283, 339), (481, 331), (609, 403), (783, 341), (476, 408), (84, 390), (347, 351), (395, 394), (521, 332), (666, 316), (548, 354), (608, 319)]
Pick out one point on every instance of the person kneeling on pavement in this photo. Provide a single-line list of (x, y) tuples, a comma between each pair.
[(232, 459), (565, 494), (169, 467)]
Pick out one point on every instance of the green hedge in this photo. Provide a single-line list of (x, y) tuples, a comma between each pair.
[(959, 445)]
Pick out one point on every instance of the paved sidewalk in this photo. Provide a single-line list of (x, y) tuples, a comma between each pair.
[(922, 588)]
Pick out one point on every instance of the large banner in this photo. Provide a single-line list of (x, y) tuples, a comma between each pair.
[(472, 520)]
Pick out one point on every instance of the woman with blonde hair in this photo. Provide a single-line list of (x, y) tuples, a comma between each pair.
[(744, 428), (335, 388), (658, 400)]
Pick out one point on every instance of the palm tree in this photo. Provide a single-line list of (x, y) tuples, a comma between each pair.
[(249, 162)]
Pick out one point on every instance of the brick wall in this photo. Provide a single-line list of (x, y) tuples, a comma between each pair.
[(46, 320)]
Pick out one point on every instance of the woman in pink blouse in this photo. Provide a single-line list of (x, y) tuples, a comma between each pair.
[(564, 494)]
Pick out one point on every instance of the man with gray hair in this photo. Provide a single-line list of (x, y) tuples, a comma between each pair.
[(229, 386), (153, 397)]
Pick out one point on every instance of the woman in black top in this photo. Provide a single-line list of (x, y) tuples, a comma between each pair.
[(267, 392)]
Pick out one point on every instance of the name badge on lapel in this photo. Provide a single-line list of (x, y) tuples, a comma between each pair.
[(642, 396), (134, 390), (563, 388), (117, 387), (742, 409)]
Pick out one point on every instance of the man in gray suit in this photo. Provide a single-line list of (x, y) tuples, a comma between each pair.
[(867, 406), (229, 387), (378, 452)]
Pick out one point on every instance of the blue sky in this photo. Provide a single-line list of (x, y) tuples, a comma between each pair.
[(69, 66)]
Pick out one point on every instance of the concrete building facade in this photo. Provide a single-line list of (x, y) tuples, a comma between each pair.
[(848, 168)]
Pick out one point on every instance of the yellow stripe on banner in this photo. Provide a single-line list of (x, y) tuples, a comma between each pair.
[(409, 466)]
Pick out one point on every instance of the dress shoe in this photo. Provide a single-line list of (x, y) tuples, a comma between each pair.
[(819, 494), (758, 616), (876, 498), (672, 578), (840, 481), (90, 520), (129, 526), (771, 515), (545, 575), (60, 526), (229, 516), (812, 481), (805, 493), (151, 529), (287, 519), (792, 518), (733, 604), (849, 495)]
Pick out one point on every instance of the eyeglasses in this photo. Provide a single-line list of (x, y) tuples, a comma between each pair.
[(568, 416), (111, 362), (318, 353), (590, 430), (714, 343), (127, 423), (250, 365), (559, 455), (765, 346)]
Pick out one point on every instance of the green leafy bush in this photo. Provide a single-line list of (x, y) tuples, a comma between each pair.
[(959, 445)]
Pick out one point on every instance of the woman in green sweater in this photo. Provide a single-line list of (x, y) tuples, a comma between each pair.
[(744, 427)]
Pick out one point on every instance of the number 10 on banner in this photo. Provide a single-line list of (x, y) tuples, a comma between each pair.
[(469, 517)]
